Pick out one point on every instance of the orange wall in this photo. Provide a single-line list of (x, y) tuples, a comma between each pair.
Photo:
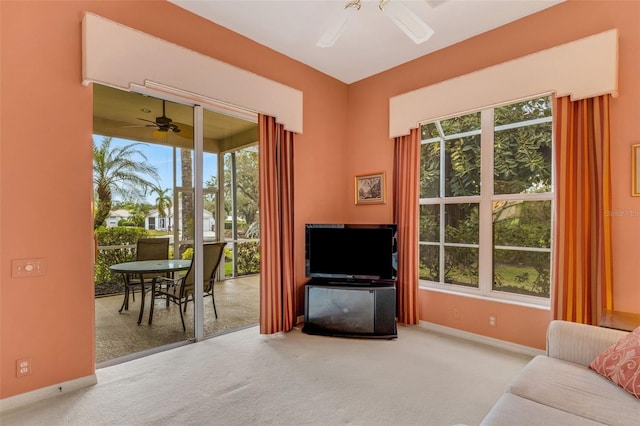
[(45, 161), (46, 168), (369, 130)]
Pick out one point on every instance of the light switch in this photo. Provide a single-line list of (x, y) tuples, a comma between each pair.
[(27, 267)]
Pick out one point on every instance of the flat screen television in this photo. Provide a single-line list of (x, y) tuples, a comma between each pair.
[(351, 251)]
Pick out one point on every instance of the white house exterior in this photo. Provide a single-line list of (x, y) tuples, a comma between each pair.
[(115, 216), (153, 220)]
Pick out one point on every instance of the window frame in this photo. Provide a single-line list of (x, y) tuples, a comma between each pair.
[(485, 200)]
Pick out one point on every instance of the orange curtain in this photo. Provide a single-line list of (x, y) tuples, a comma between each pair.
[(582, 237), (277, 281), (406, 178)]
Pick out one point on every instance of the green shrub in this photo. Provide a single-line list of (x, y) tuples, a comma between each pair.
[(240, 223), (248, 258), (187, 254), (119, 235)]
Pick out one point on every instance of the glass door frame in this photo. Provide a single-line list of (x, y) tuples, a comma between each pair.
[(198, 166), (184, 98), (198, 226)]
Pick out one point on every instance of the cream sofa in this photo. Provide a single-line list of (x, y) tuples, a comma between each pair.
[(559, 388)]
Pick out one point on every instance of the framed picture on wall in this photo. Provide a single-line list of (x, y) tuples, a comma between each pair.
[(635, 170), (369, 189)]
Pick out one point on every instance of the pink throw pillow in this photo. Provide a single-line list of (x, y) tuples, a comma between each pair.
[(620, 363)]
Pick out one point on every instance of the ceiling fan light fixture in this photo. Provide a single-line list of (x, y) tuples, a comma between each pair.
[(405, 19), (339, 23), (159, 134), (164, 125)]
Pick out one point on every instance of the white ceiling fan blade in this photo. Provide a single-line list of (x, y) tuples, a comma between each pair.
[(337, 26), (405, 19)]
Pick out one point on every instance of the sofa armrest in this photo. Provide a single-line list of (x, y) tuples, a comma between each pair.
[(579, 343)]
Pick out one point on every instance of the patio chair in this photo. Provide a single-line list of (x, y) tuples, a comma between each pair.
[(182, 289), (146, 249)]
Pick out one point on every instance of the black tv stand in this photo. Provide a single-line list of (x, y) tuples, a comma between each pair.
[(351, 308)]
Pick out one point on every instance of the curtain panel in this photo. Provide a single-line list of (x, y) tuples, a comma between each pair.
[(582, 284), (277, 280), (406, 181)]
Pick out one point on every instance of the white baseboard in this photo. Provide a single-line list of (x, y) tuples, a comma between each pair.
[(490, 341), (23, 399)]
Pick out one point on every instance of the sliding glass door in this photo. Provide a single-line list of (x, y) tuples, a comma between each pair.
[(177, 189)]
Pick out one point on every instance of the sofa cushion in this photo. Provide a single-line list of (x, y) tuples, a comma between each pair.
[(620, 363), (513, 410), (576, 389)]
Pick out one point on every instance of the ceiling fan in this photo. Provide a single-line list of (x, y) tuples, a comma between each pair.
[(164, 125), (403, 17)]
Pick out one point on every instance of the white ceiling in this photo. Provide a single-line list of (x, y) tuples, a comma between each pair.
[(370, 43)]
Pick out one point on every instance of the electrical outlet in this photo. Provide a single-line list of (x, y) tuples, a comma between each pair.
[(23, 367), (493, 321)]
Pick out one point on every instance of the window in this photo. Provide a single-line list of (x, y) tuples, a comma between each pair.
[(486, 202)]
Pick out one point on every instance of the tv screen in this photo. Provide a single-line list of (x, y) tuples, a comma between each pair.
[(350, 251)]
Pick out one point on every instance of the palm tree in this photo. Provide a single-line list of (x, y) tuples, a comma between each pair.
[(121, 170), (164, 201), (187, 196)]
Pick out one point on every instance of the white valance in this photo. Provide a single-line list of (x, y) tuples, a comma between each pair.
[(580, 69), (122, 57)]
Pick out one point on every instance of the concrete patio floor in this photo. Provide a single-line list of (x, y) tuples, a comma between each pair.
[(118, 335)]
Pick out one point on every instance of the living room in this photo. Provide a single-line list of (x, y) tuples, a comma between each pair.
[(49, 319)]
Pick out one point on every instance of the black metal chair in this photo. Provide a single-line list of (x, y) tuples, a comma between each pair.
[(146, 249), (182, 289)]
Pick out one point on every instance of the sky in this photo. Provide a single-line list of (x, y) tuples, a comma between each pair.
[(161, 157)]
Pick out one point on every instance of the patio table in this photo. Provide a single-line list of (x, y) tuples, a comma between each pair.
[(141, 267)]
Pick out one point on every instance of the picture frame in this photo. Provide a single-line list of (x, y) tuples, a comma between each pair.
[(635, 170), (370, 188)]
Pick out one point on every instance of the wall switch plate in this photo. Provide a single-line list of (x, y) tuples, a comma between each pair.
[(27, 267)]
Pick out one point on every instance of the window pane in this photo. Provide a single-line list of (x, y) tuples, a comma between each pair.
[(522, 152), (430, 170), (430, 223), (428, 131), (461, 124), (522, 161), (522, 223), (523, 111), (462, 162), (522, 272), (461, 223), (429, 262), (461, 266)]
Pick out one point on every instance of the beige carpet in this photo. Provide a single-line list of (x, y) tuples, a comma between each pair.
[(244, 378)]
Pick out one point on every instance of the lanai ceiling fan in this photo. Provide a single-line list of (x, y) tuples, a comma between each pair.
[(403, 17), (164, 125)]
